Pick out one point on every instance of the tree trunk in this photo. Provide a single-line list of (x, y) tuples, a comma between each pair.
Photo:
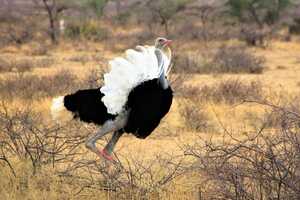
[(166, 28), (52, 17), (255, 16), (52, 31)]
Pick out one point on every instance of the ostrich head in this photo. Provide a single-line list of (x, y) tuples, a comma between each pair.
[(163, 45)]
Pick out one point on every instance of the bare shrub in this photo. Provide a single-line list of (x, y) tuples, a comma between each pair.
[(255, 36), (236, 59), (127, 178), (281, 116), (231, 91), (269, 119), (26, 136), (273, 119), (262, 165)]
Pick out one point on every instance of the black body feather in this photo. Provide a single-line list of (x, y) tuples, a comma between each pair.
[(148, 104), (87, 106)]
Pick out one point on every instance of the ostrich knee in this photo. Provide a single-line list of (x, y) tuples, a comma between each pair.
[(113, 141), (90, 143)]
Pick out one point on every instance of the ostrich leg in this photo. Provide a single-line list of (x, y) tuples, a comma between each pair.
[(107, 127), (113, 141)]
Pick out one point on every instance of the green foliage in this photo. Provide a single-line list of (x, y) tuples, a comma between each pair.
[(168, 8), (97, 6), (258, 11), (295, 27), (86, 30), (123, 17), (237, 7), (162, 11)]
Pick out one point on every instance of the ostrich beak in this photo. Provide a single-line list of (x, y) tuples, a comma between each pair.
[(167, 42)]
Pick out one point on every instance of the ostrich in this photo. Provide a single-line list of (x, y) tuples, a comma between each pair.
[(135, 96)]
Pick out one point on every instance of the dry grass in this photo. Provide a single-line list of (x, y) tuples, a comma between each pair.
[(237, 59), (233, 59), (203, 107), (232, 131), (24, 64), (195, 117), (34, 87), (232, 91), (227, 91)]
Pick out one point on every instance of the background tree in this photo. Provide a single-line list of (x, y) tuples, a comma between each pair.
[(53, 9), (96, 6), (258, 11), (259, 18), (164, 10), (17, 24)]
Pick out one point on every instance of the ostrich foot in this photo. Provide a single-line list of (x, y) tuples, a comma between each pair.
[(104, 154)]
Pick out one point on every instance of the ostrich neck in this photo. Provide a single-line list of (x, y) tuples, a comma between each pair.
[(163, 79), (168, 52)]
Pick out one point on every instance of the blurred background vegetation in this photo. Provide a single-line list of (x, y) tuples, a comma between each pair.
[(252, 20), (233, 131)]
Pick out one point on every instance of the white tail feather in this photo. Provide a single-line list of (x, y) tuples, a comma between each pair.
[(58, 111), (126, 73)]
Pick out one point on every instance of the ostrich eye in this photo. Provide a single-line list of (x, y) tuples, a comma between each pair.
[(161, 40)]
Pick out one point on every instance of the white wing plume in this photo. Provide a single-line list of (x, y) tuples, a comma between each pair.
[(126, 73)]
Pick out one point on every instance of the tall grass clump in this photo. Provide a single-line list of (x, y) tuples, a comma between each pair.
[(237, 59), (195, 117), (231, 91), (226, 59), (29, 86)]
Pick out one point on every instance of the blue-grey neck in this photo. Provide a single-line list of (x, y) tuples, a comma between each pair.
[(163, 81), (162, 78)]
